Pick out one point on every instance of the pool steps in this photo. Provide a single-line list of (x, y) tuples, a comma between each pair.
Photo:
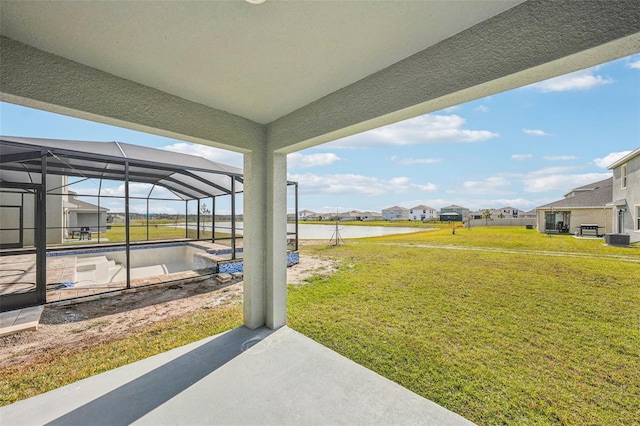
[(93, 268)]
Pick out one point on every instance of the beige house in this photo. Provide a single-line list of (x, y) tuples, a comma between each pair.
[(586, 205), (506, 212), (18, 214), (395, 213), (422, 212), (626, 195), (306, 215), (66, 215), (80, 214)]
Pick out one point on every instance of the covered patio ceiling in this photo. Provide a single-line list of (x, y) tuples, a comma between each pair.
[(292, 74), (257, 62)]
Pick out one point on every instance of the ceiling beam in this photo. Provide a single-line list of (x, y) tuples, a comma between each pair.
[(533, 41), (34, 78)]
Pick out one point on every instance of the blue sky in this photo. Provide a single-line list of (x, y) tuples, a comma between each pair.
[(521, 148)]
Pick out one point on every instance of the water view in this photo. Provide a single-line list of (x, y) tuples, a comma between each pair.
[(325, 232), (320, 232)]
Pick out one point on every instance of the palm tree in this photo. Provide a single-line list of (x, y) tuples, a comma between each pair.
[(486, 215)]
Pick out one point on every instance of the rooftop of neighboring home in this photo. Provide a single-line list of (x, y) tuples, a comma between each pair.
[(422, 207), (589, 187), (394, 208), (453, 206), (81, 206), (352, 213), (597, 194)]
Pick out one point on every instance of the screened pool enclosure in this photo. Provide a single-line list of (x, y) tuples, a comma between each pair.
[(82, 218)]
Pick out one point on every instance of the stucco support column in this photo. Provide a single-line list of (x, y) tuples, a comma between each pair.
[(265, 239)]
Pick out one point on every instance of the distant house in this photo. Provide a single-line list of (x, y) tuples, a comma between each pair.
[(350, 215), (361, 216), (588, 204), (453, 213), (626, 195), (422, 213), (527, 215), (395, 213), (84, 215), (65, 214), (506, 212), (505, 216), (306, 214), (120, 218), (368, 216), (475, 215), (17, 215)]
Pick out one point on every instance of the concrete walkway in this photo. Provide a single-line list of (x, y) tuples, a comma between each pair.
[(247, 377), (20, 320)]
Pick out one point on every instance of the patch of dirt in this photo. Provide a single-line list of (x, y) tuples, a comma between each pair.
[(88, 323)]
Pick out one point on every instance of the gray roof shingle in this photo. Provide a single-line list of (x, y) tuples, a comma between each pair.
[(599, 196)]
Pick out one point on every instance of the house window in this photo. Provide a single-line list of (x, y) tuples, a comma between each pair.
[(623, 176), (637, 218)]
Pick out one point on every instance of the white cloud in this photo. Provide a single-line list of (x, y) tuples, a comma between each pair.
[(635, 64), (535, 132), (481, 108), (426, 129), (579, 80), (559, 157), (555, 179), (553, 170), (297, 160), (520, 157), (135, 190), (609, 159), (345, 184), (489, 185), (477, 203), (560, 182), (410, 160), (169, 203), (214, 154)]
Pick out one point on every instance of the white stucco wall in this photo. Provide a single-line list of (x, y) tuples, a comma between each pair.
[(54, 214), (598, 216), (631, 193), (420, 214), (395, 214)]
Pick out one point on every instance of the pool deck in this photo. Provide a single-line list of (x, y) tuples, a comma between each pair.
[(18, 272), (18, 275), (241, 377)]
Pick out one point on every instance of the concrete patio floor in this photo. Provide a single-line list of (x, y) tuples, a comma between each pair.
[(243, 376)]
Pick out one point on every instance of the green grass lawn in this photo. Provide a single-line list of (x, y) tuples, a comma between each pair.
[(498, 337), (386, 223), (56, 368), (501, 325), (159, 230)]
